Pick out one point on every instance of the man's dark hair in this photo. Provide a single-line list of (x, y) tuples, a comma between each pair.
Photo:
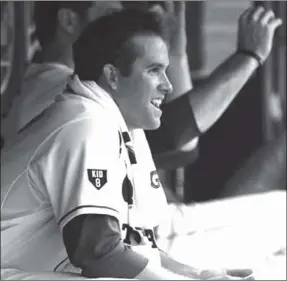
[(46, 16), (107, 40)]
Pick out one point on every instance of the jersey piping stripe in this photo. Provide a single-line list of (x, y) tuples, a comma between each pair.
[(126, 137), (132, 155), (129, 146), (59, 264), (86, 206), (120, 143)]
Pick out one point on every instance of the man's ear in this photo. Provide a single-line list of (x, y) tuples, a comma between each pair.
[(111, 76), (68, 20)]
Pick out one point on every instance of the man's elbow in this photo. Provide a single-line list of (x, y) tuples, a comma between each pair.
[(120, 263)]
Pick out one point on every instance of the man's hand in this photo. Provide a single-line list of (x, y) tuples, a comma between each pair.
[(256, 31), (174, 14), (230, 274), (228, 277)]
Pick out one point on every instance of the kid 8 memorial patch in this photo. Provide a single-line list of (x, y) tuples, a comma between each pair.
[(97, 177)]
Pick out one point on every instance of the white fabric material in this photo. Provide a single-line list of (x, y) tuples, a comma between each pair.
[(44, 182)]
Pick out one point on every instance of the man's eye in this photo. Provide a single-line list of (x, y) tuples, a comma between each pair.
[(154, 70)]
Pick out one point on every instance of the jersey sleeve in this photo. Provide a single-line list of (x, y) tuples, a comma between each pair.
[(94, 244), (79, 171)]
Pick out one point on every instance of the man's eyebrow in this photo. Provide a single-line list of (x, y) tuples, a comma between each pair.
[(155, 64)]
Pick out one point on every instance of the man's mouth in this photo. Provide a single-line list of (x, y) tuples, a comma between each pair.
[(156, 102)]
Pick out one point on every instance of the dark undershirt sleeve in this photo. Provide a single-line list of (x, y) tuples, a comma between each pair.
[(177, 121), (94, 244)]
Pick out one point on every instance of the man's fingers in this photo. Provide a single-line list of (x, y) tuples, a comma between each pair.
[(274, 23), (257, 13), (267, 16), (224, 277), (168, 6), (239, 272), (246, 14), (179, 12), (250, 277), (157, 9), (179, 8)]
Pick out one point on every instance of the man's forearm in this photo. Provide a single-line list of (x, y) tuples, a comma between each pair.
[(179, 268), (210, 100), (179, 75), (151, 272)]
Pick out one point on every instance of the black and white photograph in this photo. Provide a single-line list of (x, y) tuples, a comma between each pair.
[(143, 140)]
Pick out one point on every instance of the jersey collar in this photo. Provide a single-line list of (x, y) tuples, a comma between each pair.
[(91, 90)]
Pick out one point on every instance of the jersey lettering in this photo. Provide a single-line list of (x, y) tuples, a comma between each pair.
[(154, 179), (131, 233), (150, 236), (136, 233)]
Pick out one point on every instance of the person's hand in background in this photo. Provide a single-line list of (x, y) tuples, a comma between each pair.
[(174, 15), (256, 29)]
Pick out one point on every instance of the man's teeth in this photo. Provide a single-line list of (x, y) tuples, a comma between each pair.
[(156, 102)]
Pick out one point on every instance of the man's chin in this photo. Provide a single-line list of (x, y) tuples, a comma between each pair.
[(153, 125)]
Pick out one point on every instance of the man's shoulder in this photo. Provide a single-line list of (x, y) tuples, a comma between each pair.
[(85, 127), (74, 111), (73, 120), (69, 120)]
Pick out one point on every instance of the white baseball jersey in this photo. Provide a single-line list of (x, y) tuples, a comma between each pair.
[(75, 159)]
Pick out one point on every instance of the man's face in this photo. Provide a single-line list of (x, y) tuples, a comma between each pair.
[(140, 94)]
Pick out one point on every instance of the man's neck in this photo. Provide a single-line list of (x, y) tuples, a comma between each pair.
[(101, 83), (57, 54)]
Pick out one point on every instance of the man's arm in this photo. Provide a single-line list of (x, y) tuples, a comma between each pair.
[(93, 243), (204, 274), (255, 36), (179, 268), (211, 99)]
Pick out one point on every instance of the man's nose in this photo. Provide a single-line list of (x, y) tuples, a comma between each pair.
[(166, 87)]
